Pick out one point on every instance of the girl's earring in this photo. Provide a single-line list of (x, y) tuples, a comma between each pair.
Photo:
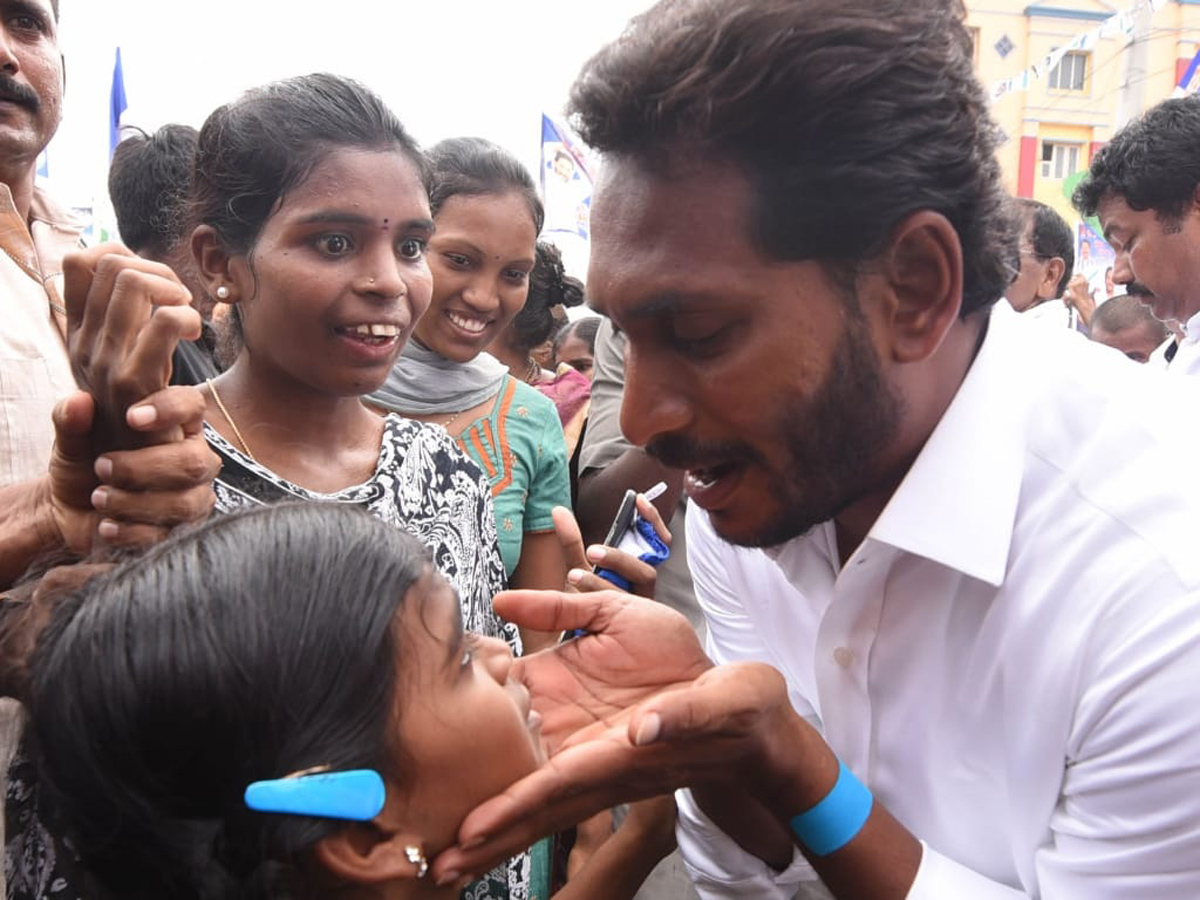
[(222, 293), (415, 855)]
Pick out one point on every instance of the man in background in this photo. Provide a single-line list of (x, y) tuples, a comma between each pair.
[(1144, 186), (1127, 325), (148, 182)]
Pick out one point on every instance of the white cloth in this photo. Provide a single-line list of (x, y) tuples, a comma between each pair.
[(1187, 357), (34, 370), (1010, 660)]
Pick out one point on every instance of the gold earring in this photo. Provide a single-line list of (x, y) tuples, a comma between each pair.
[(415, 855)]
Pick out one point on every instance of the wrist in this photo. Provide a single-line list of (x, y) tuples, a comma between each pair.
[(46, 529), (795, 769)]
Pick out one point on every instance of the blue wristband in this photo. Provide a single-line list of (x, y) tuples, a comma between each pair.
[(838, 818)]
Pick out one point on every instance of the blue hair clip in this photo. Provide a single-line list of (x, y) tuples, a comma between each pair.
[(357, 795)]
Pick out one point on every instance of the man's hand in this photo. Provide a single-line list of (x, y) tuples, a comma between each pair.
[(128, 496), (130, 459), (1079, 296), (125, 316), (633, 649), (643, 577), (730, 725)]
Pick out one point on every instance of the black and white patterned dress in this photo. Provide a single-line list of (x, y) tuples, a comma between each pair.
[(422, 483)]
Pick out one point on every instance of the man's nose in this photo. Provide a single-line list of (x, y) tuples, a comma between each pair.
[(653, 403)]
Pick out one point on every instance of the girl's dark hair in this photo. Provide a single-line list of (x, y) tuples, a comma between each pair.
[(252, 151), (585, 329), (474, 167), (256, 646), (549, 286)]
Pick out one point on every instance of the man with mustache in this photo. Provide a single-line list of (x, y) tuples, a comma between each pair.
[(1144, 186), (979, 679), (50, 503), (123, 459)]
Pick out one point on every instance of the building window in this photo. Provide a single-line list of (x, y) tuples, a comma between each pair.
[(1070, 74), (1059, 160)]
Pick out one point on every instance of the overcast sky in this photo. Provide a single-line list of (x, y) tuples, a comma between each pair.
[(447, 67)]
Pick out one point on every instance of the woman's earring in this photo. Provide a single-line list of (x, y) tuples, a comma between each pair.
[(222, 293), (415, 855)]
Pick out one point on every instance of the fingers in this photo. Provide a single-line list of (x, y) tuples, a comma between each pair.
[(641, 576), (725, 702), (163, 508), (126, 316), (567, 529), (568, 789), (178, 406), (79, 269), (648, 511), (72, 417), (558, 610), (148, 360), (163, 467)]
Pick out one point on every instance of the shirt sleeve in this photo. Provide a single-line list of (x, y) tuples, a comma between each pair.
[(550, 485), (603, 441)]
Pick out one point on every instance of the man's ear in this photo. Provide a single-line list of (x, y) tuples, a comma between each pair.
[(365, 853), (224, 274), (1047, 288), (923, 269)]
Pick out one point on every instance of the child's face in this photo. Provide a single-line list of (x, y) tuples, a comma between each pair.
[(338, 275), (465, 727)]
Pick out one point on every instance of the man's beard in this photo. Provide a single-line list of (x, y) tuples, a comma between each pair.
[(832, 440)]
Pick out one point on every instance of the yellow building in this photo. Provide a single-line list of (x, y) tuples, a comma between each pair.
[(1055, 119)]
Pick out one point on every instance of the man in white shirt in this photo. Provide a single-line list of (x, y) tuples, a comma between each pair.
[(1144, 185), (978, 575), (1047, 259)]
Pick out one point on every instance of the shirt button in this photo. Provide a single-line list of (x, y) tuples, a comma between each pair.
[(844, 657)]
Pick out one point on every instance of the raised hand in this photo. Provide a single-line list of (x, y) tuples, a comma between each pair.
[(125, 316)]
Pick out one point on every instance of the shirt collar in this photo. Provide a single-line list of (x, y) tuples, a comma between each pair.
[(1192, 328), (957, 504)]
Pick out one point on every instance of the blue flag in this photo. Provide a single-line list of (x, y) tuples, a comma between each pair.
[(566, 182), (117, 105)]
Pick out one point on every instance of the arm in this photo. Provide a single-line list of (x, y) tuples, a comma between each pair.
[(542, 566), (127, 497), (609, 464), (621, 863)]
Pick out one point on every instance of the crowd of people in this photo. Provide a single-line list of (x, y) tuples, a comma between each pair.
[(305, 482)]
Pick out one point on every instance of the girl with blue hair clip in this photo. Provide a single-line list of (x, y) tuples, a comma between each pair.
[(280, 704)]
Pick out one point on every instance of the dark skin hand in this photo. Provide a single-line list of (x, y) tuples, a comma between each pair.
[(130, 460), (634, 709)]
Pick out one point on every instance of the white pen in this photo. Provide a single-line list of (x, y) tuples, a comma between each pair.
[(655, 492)]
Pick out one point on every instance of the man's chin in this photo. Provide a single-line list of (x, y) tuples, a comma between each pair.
[(760, 526)]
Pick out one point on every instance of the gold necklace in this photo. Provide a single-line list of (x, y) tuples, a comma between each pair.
[(228, 418), (450, 421)]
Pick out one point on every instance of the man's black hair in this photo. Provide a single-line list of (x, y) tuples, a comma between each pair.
[(1151, 163)]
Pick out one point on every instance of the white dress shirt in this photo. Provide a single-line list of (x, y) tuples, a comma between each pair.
[(1187, 357), (1011, 659)]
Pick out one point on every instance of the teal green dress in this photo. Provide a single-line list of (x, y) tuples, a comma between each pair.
[(522, 451)]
